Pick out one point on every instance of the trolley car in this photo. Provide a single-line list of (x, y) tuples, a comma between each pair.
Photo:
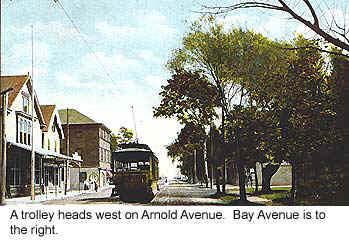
[(136, 172)]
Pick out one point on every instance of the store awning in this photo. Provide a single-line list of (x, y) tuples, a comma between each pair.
[(46, 153)]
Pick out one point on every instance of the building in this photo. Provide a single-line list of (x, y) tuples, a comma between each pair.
[(53, 170), (91, 140), (49, 162)]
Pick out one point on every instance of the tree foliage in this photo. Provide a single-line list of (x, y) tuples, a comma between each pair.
[(189, 97), (332, 29), (124, 135)]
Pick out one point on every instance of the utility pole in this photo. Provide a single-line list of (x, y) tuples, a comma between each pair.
[(2, 159), (32, 128), (66, 162)]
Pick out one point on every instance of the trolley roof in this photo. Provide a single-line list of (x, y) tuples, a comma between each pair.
[(132, 155)]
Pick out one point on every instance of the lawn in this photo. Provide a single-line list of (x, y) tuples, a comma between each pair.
[(278, 196)]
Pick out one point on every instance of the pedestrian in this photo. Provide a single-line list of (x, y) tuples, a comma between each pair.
[(86, 185), (96, 185)]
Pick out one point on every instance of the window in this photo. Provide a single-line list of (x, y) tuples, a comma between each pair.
[(37, 170), (21, 128), (25, 104), (62, 174), (29, 132), (56, 145), (48, 144), (14, 176), (25, 129)]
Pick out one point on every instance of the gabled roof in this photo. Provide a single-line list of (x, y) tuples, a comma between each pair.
[(47, 112), (15, 82), (74, 116)]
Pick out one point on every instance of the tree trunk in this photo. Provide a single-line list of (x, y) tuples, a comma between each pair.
[(223, 154), (242, 179), (240, 168), (294, 183), (255, 178), (267, 172), (216, 173)]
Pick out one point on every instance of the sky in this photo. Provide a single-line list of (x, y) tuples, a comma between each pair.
[(114, 53)]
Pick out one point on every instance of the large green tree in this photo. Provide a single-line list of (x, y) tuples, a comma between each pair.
[(189, 97), (230, 60)]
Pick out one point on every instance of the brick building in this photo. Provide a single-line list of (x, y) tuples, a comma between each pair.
[(91, 140)]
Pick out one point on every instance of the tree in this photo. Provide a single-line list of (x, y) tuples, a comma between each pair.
[(334, 27), (192, 107), (124, 135), (189, 97), (229, 60), (191, 137)]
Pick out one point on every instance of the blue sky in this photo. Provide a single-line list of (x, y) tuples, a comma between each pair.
[(131, 42)]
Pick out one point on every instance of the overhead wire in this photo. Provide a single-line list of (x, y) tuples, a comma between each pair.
[(84, 39)]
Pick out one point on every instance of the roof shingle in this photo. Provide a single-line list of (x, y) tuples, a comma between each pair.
[(47, 112), (74, 116), (15, 82)]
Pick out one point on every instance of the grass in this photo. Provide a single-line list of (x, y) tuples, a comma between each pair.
[(275, 195), (278, 196), (229, 198)]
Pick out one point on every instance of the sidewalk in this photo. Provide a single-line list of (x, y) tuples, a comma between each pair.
[(52, 196)]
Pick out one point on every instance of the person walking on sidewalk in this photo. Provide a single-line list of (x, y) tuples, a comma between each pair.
[(96, 185)]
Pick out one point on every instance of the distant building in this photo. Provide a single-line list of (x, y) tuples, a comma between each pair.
[(91, 140)]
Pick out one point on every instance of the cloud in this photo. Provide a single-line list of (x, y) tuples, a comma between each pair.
[(151, 27), (154, 81), (148, 55), (117, 32), (99, 71)]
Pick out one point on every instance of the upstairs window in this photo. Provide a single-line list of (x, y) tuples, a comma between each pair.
[(24, 131), (25, 104)]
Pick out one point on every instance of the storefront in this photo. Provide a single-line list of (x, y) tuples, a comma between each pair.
[(49, 171)]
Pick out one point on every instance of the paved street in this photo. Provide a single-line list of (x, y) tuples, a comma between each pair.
[(174, 192), (181, 193)]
